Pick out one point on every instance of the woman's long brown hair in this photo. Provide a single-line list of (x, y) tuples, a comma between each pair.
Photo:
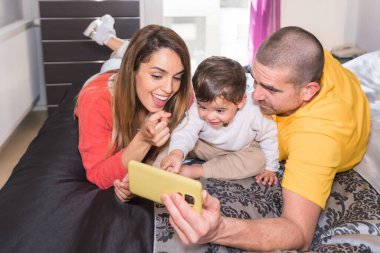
[(126, 104)]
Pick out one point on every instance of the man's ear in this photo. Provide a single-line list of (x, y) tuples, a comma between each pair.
[(310, 90), (242, 102)]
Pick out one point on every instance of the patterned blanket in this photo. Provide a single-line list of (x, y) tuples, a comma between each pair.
[(350, 222)]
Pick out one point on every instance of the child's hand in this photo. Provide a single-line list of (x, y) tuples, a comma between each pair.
[(267, 176), (173, 161), (192, 171), (155, 129), (122, 189)]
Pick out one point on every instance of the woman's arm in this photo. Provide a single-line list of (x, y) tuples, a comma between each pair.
[(95, 129), (154, 132)]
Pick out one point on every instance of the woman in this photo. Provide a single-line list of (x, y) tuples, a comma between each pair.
[(129, 114)]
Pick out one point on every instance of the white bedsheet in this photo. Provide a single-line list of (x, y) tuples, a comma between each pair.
[(367, 69)]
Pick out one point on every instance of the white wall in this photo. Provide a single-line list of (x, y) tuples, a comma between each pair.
[(209, 11), (18, 76), (368, 35), (151, 12), (21, 74), (31, 13), (234, 27), (10, 11), (333, 22)]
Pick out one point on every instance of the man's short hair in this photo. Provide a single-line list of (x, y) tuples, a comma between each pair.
[(295, 48), (219, 77)]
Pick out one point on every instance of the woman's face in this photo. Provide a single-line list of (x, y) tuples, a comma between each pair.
[(159, 79)]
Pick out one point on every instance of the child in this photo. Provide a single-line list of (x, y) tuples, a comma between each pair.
[(225, 128)]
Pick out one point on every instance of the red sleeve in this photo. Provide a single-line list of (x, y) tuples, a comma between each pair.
[(95, 129)]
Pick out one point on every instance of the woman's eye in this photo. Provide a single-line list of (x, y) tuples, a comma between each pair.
[(156, 76), (178, 78)]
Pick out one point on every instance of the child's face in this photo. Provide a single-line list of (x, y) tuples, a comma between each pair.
[(219, 112)]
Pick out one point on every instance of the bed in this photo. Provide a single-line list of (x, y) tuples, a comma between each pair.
[(47, 205)]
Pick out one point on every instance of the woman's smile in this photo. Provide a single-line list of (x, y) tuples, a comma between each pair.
[(159, 79), (159, 101)]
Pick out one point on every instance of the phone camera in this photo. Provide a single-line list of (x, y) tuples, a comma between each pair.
[(189, 199)]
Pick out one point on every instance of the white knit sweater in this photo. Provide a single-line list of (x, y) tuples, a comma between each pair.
[(248, 125)]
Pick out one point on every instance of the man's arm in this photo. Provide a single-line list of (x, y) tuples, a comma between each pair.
[(293, 230)]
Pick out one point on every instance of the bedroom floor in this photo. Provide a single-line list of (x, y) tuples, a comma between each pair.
[(17, 144)]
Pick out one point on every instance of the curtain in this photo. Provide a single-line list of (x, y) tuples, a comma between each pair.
[(264, 20)]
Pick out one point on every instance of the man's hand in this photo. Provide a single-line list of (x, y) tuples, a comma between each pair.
[(173, 161), (155, 130), (293, 230), (192, 227), (267, 177)]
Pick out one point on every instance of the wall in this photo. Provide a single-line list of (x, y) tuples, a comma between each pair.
[(31, 13), (21, 74), (10, 11), (333, 22), (18, 76), (151, 12), (368, 34), (197, 22)]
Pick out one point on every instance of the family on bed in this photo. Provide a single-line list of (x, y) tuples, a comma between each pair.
[(306, 110)]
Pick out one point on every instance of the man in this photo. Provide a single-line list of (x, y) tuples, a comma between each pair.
[(323, 122)]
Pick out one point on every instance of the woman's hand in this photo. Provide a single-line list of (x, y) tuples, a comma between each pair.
[(122, 189), (155, 130)]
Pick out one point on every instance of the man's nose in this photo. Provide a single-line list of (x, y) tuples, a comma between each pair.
[(257, 94)]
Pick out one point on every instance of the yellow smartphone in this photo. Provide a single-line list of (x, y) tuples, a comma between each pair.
[(149, 182)]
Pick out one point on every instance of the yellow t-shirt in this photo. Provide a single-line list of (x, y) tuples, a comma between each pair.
[(328, 135)]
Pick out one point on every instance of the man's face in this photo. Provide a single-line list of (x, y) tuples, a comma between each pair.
[(273, 93)]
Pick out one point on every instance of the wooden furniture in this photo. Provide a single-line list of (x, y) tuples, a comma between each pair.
[(69, 57)]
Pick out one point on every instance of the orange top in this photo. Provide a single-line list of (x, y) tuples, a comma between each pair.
[(94, 114)]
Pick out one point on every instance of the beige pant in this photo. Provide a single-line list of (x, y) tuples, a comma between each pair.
[(223, 164)]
